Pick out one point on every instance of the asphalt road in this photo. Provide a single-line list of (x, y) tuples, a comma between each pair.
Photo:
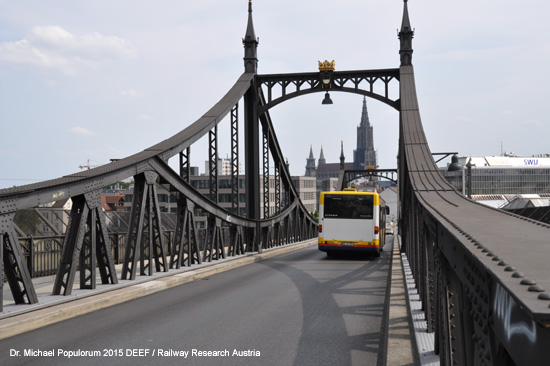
[(301, 308)]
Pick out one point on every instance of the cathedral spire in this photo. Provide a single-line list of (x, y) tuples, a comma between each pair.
[(405, 36), (250, 43), (365, 114)]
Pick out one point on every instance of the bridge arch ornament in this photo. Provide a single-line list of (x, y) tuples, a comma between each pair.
[(363, 82)]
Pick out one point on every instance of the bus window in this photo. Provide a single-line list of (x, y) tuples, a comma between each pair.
[(348, 207)]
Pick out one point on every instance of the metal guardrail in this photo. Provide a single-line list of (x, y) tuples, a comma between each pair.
[(482, 274)]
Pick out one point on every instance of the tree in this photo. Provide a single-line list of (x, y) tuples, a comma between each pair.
[(28, 221)]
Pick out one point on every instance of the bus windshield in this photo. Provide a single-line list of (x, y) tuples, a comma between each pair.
[(348, 206)]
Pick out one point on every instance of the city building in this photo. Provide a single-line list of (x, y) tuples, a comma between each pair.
[(223, 167), (307, 190), (496, 180), (112, 201)]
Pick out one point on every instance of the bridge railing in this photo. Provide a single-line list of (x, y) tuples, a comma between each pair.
[(482, 274), (86, 245)]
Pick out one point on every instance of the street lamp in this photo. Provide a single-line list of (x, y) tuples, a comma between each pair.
[(327, 99)]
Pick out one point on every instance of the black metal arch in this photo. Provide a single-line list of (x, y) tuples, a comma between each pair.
[(351, 175), (331, 81)]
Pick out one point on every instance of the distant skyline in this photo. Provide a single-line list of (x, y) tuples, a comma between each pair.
[(91, 80)]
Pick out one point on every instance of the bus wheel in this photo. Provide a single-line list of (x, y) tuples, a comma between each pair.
[(377, 254)]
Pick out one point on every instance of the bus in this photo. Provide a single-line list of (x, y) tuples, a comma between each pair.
[(351, 221)]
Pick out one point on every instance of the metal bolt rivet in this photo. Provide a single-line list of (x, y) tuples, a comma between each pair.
[(528, 282), (545, 296), (510, 269), (535, 289), (518, 275)]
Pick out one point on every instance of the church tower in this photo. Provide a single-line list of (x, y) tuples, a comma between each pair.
[(311, 170), (322, 160), (364, 156)]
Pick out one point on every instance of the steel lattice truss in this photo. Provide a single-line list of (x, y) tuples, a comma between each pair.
[(363, 82), (85, 245)]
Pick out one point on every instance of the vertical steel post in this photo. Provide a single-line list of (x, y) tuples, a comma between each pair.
[(185, 164), (235, 159), (252, 159), (213, 163), (13, 265), (265, 155), (277, 174)]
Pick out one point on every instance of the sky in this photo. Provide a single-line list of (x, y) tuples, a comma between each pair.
[(83, 82)]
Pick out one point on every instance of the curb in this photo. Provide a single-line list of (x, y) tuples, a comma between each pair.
[(400, 339)]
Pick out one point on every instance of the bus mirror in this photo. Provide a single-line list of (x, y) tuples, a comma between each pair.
[(387, 210)]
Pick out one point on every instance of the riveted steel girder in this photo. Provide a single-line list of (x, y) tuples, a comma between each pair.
[(185, 247), (350, 175), (359, 82), (13, 265), (235, 159), (85, 246), (145, 231)]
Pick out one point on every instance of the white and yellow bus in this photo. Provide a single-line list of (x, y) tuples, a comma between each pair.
[(351, 221)]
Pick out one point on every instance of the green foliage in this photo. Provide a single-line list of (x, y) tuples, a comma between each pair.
[(28, 221)]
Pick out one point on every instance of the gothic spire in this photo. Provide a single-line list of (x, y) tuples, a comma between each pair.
[(250, 43), (322, 160), (311, 169), (405, 36), (342, 157), (365, 114)]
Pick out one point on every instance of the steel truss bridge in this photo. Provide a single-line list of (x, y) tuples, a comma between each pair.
[(482, 274)]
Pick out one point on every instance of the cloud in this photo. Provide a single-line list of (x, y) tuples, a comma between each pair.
[(145, 117), (532, 122), (52, 47), (81, 131), (131, 93)]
